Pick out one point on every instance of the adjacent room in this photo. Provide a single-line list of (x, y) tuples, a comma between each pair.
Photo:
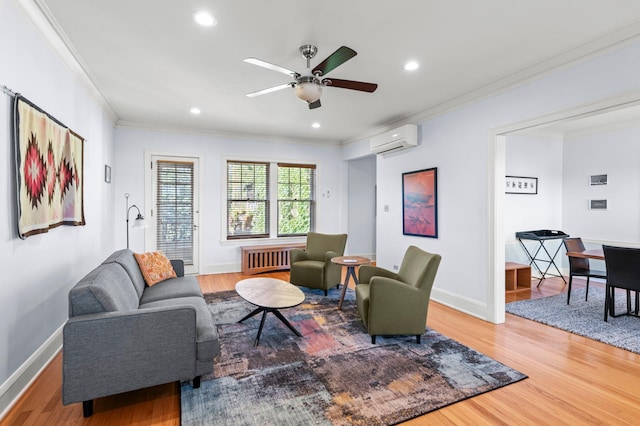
[(289, 213)]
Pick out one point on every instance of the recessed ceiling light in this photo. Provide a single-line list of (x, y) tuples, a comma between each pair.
[(205, 19), (195, 111), (316, 125), (411, 66)]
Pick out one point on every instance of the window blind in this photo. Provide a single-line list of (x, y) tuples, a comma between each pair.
[(247, 200), (174, 210), (296, 199)]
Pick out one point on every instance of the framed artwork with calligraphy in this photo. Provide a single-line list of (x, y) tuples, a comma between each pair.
[(521, 185)]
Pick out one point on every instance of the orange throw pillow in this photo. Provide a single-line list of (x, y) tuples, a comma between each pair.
[(155, 267)]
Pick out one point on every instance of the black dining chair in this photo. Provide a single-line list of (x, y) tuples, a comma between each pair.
[(579, 267), (623, 271)]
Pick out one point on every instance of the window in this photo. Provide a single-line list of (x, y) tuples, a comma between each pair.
[(247, 200), (296, 193), (174, 205)]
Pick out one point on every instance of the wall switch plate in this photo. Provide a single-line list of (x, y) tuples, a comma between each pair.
[(386, 207)]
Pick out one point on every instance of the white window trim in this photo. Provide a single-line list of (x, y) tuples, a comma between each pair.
[(273, 204)]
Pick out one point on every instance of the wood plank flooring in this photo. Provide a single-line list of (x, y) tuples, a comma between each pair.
[(572, 380)]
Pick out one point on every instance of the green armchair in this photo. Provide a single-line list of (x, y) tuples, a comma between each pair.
[(312, 267), (392, 304)]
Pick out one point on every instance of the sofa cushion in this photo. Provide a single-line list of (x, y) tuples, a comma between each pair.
[(174, 287), (207, 343), (125, 259), (155, 267), (107, 288)]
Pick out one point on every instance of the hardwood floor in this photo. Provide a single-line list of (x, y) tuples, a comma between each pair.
[(572, 380)]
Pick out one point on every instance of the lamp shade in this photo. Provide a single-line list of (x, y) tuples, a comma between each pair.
[(308, 92), (139, 222)]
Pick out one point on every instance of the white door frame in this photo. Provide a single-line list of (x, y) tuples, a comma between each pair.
[(150, 242), (495, 193)]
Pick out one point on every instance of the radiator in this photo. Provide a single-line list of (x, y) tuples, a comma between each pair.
[(256, 259)]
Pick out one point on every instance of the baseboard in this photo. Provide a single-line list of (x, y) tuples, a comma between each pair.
[(461, 303), (12, 389)]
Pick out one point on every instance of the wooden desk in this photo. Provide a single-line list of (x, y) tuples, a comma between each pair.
[(597, 254)]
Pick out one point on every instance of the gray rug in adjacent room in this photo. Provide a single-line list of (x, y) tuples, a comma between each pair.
[(583, 318), (332, 375)]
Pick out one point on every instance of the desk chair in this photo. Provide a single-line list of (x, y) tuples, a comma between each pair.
[(579, 267), (623, 271)]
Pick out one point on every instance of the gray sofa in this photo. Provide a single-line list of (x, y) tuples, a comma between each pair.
[(123, 335)]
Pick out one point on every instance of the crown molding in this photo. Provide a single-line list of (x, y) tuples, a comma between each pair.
[(588, 50), (44, 21), (227, 134)]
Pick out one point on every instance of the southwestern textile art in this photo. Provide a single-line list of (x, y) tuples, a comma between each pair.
[(49, 161)]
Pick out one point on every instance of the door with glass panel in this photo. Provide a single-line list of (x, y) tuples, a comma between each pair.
[(174, 212)]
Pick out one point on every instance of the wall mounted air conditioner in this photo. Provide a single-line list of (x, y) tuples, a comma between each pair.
[(395, 140)]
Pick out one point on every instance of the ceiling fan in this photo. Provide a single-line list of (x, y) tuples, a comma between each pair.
[(308, 86)]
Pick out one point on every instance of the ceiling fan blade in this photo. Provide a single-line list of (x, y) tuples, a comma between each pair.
[(353, 85), (337, 58), (314, 105), (270, 66), (269, 90)]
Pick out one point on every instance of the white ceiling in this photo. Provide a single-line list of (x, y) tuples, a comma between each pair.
[(151, 63)]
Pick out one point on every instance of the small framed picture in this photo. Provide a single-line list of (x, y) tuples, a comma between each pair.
[(598, 179), (521, 185), (597, 204), (107, 173)]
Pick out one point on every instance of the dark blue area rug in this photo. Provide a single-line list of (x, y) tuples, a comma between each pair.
[(333, 375), (585, 318)]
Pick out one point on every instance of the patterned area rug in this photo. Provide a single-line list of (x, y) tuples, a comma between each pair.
[(333, 375), (585, 318)]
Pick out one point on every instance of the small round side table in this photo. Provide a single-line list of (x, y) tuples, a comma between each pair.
[(350, 262)]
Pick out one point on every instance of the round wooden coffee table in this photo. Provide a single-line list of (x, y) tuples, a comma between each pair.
[(269, 295), (350, 262)]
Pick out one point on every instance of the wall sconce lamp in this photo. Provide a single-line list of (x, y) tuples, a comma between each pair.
[(138, 223)]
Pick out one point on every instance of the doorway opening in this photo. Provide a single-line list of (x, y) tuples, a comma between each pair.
[(496, 193)]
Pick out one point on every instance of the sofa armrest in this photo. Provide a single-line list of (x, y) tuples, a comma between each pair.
[(330, 255), (366, 272), (115, 352), (178, 266), (296, 255)]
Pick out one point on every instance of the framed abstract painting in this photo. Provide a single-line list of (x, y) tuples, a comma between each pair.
[(420, 203)]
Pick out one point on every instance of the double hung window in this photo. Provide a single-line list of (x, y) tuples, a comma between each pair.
[(247, 199), (296, 189), (250, 189)]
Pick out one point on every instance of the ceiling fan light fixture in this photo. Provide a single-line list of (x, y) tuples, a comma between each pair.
[(308, 89), (308, 92)]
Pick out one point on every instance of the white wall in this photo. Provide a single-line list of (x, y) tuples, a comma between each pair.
[(542, 158), (39, 271), (616, 154), (362, 207), (216, 254), (459, 144)]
